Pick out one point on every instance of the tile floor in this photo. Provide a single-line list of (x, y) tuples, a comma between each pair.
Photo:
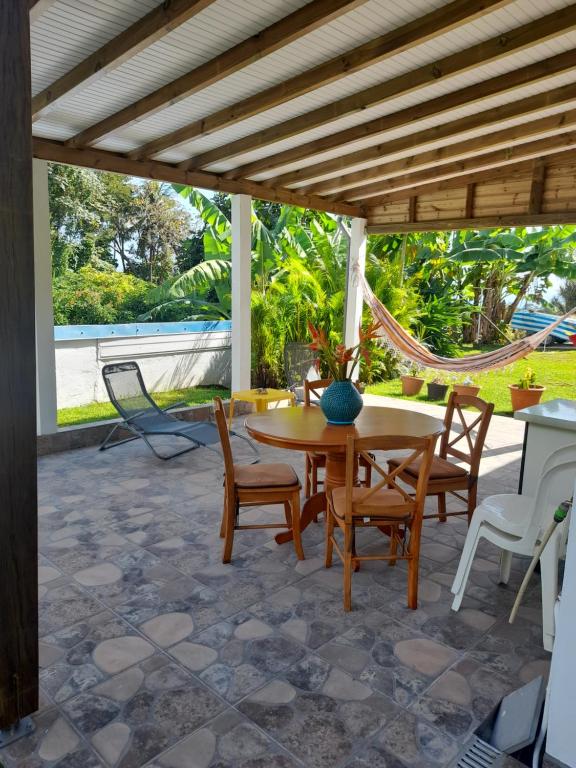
[(154, 653)]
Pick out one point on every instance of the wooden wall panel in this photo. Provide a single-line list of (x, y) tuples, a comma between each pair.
[(496, 203), (502, 198)]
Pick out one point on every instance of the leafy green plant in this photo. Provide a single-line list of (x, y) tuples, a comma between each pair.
[(92, 296), (528, 379)]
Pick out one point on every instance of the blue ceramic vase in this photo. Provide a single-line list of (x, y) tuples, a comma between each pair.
[(341, 402)]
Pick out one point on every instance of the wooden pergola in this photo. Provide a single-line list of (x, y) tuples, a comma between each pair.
[(419, 115)]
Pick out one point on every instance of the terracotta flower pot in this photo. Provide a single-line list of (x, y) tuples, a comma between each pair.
[(411, 385), (466, 389), (437, 391), (524, 398)]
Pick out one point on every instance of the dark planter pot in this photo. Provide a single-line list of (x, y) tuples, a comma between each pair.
[(437, 391), (341, 402)]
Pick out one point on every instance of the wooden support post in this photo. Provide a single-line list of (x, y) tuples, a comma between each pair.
[(241, 291), (18, 498), (469, 205), (354, 299), (537, 187), (412, 209)]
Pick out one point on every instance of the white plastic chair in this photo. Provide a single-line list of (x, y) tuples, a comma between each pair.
[(514, 522)]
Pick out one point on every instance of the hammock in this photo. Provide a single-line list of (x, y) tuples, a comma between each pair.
[(407, 346)]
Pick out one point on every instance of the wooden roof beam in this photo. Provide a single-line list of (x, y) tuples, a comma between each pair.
[(414, 141), (514, 169), (500, 84), (147, 30), (301, 22), (515, 40), (417, 32), (438, 159), (151, 169), (481, 222), (443, 225)]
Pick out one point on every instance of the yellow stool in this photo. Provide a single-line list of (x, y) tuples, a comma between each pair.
[(260, 399)]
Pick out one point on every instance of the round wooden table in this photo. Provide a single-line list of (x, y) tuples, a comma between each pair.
[(306, 429)]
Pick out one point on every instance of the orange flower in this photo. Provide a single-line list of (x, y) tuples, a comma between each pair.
[(370, 333)]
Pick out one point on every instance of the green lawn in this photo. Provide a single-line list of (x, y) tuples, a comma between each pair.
[(555, 370), (83, 414)]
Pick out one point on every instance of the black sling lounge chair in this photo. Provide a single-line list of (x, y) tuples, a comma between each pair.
[(144, 418)]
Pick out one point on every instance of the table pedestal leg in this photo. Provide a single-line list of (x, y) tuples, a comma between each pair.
[(335, 476)]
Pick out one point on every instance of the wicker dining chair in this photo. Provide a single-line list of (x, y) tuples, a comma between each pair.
[(445, 476), (250, 485), (385, 505), (314, 460)]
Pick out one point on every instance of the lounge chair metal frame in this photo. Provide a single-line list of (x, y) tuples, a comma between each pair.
[(152, 420)]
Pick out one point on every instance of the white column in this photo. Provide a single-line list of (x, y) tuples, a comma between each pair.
[(44, 312), (241, 290), (353, 290)]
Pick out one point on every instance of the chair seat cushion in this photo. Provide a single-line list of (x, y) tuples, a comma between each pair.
[(440, 470), (382, 504), (265, 475)]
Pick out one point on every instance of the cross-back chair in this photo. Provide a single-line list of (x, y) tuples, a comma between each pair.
[(466, 445), (314, 461), (249, 485), (385, 505)]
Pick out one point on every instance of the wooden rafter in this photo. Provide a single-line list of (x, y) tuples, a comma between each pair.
[(500, 84), (437, 22), (499, 142), (502, 157), (101, 160), (283, 32), (413, 141), (147, 30), (515, 40)]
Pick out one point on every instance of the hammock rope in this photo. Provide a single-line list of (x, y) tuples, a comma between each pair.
[(408, 347)]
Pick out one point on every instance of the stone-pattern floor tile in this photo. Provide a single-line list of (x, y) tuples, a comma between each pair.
[(148, 641), (250, 577), (184, 595), (391, 658), (125, 575), (306, 611), (408, 742), (150, 526), (459, 701), (81, 655), (132, 717), (53, 742), (236, 656), (515, 649), (228, 741), (63, 603), (318, 712)]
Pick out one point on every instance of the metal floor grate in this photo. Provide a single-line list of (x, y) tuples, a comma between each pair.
[(480, 755)]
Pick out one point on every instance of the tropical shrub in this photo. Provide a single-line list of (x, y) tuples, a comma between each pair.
[(92, 296)]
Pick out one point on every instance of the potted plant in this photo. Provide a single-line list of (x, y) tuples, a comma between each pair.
[(437, 388), (341, 402), (526, 392), (411, 382), (467, 387)]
